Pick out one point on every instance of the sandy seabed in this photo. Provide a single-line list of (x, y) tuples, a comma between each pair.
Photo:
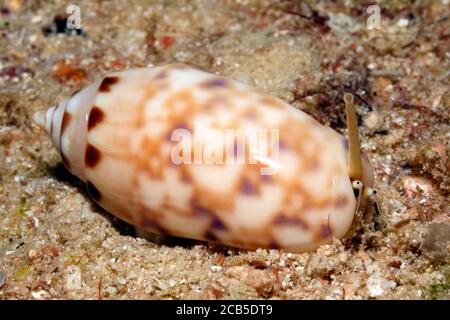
[(55, 243)]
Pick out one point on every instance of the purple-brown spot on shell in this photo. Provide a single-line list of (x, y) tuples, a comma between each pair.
[(247, 187), (93, 191), (210, 236), (95, 117), (215, 83), (153, 224), (200, 210), (325, 231), (266, 178), (216, 223), (162, 75), (290, 221), (273, 245), (282, 145), (92, 156), (345, 144), (107, 83)]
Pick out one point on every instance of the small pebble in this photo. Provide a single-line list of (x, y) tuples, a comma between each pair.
[(403, 23), (437, 242), (216, 268), (373, 121), (413, 185), (111, 290), (36, 19), (73, 279), (32, 254), (377, 285), (38, 294), (441, 150)]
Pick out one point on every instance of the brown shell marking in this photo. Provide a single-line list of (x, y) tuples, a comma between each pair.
[(215, 83), (95, 117), (107, 83), (325, 231), (92, 156), (273, 245), (67, 118), (290, 221), (247, 187), (198, 210), (216, 223), (210, 236), (154, 224)]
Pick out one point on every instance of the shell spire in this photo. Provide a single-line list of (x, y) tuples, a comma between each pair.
[(44, 119)]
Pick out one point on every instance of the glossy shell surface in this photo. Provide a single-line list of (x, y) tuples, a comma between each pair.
[(117, 136)]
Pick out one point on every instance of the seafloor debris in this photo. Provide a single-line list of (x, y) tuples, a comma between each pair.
[(436, 244), (64, 71), (262, 281)]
